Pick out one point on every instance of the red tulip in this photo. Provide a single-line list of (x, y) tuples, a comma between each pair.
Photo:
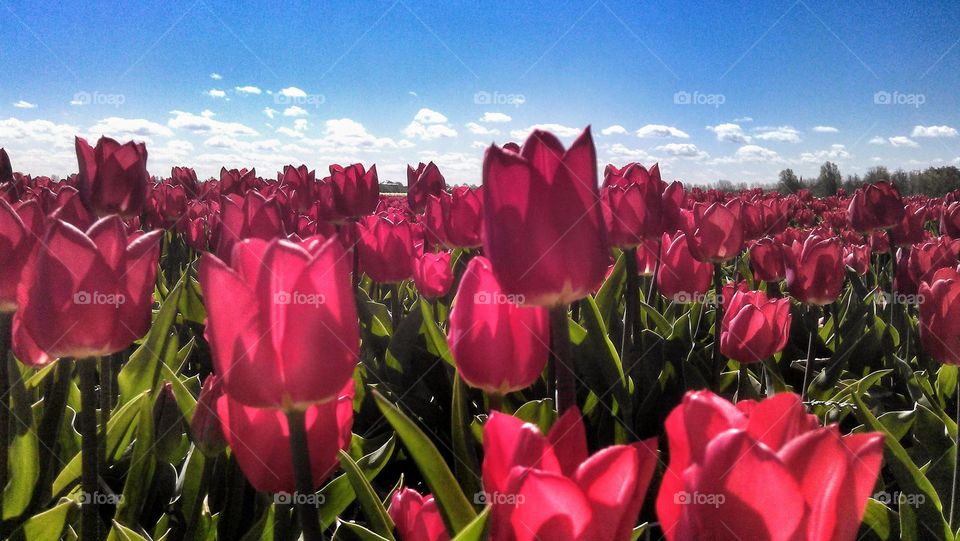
[(910, 229), (16, 244), (754, 327), (252, 216), (6, 169), (498, 346), (282, 322), (950, 220), (423, 181), (647, 255), (302, 185), (85, 294), (186, 177), (763, 470), (260, 439), (432, 274), (417, 517), (633, 201), (681, 277), (548, 488), (716, 233), (928, 257), (463, 217), (355, 191), (857, 257), (113, 177), (236, 181), (543, 225), (434, 228), (815, 269), (766, 258), (205, 429), (386, 249), (875, 206), (940, 315)]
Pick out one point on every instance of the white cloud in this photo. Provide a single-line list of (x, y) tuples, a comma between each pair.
[(295, 110), (825, 129), (751, 153), (933, 131), (877, 141), (902, 141), (835, 152), (479, 129), (214, 93), (683, 150), (216, 76), (247, 89), (557, 129), (43, 131), (24, 105), (290, 132), (660, 130), (293, 92), (491, 116), (300, 124), (783, 134), (270, 112), (416, 130), (618, 151), (743, 119), (468, 164), (429, 116), (730, 133), (205, 124), (412, 93), (345, 135), (129, 128), (616, 129)]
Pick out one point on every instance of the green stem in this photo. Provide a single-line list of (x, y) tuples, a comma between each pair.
[(718, 319), (956, 458), (90, 522), (495, 401), (6, 320), (808, 368), (630, 313), (106, 404), (560, 345), (309, 519), (281, 522)]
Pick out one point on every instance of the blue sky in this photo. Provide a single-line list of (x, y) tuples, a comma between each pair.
[(729, 89)]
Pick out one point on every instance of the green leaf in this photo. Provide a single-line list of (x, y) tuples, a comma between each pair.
[(143, 370), (436, 340), (464, 450), (454, 505), (338, 494), (142, 466), (538, 412), (351, 531), (608, 298), (47, 525), (880, 519), (24, 449), (119, 532), (476, 530), (373, 509)]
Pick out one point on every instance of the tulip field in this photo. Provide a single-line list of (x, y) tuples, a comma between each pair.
[(557, 353)]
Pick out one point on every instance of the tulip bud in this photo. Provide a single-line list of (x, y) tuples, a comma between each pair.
[(940, 315), (113, 177), (432, 274), (417, 517), (422, 182), (168, 424), (205, 426), (875, 206), (815, 269), (754, 327)]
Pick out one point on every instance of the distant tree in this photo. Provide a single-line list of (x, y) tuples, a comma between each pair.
[(829, 180), (789, 183), (901, 179), (876, 174), (725, 185)]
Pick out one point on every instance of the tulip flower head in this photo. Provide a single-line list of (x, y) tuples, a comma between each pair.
[(113, 177), (417, 517)]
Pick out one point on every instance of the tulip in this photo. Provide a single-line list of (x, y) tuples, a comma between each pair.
[(857, 257), (16, 244), (252, 216), (386, 249), (434, 227), (302, 183), (282, 322), (910, 229), (647, 257), (86, 294), (950, 220), (423, 181), (6, 169), (715, 234), (113, 177), (498, 346), (633, 201), (681, 277), (236, 181), (355, 190), (544, 232), (417, 517), (815, 269), (940, 315), (260, 440), (463, 217), (875, 206), (205, 427), (433, 275), (186, 177), (754, 327), (766, 258), (928, 257), (549, 488), (168, 424), (763, 470)]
